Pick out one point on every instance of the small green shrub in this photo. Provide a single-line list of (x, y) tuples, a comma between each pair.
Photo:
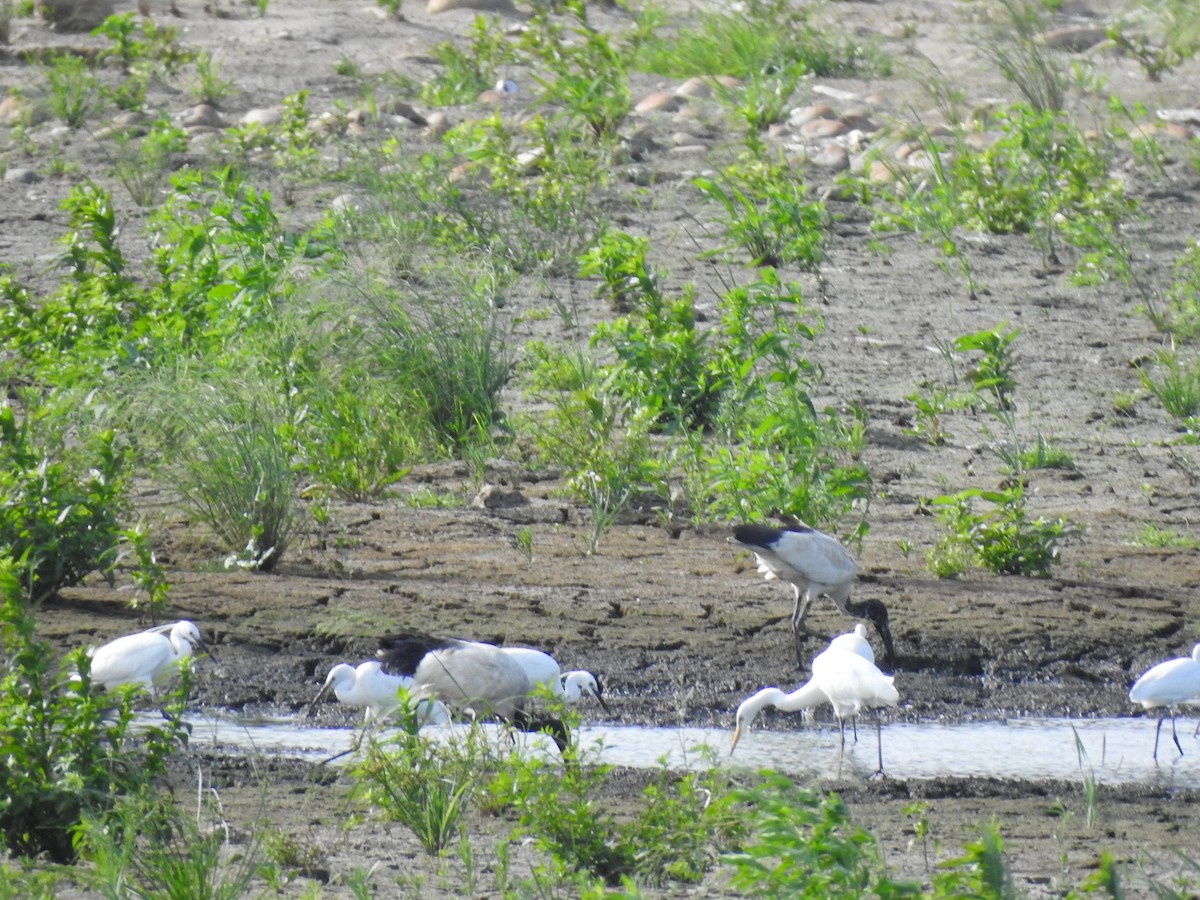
[(143, 166), (581, 72), (227, 441), (75, 94), (768, 215), (66, 752), (1177, 385), (145, 846), (1003, 538), (801, 844), (60, 510), (426, 787), (662, 362)]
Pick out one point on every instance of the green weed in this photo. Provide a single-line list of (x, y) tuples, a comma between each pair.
[(74, 92), (1177, 385), (1003, 537), (66, 752), (803, 845), (60, 508), (768, 215)]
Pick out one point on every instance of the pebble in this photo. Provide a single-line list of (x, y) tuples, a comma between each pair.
[(1074, 39), (492, 496), (822, 128), (659, 101), (832, 157), (202, 116), (397, 107), (440, 6), (437, 124), (18, 175), (697, 88), (269, 115), (806, 114), (12, 109)]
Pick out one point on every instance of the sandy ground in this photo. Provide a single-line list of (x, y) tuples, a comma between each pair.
[(675, 620)]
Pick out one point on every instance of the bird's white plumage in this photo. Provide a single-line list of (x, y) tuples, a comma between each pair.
[(144, 658), (807, 557), (841, 676), (1168, 685), (471, 674), (813, 563), (368, 687), (855, 642), (543, 670)]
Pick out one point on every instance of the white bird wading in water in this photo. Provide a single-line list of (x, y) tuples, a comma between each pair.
[(470, 675), (368, 687), (144, 658), (1168, 685), (842, 677)]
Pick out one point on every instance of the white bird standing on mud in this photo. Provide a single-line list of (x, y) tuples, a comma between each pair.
[(813, 563), (144, 658), (542, 669), (843, 677), (470, 675), (368, 687), (1168, 685)]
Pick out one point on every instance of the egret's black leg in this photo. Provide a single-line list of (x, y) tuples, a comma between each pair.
[(1174, 736), (1157, 732)]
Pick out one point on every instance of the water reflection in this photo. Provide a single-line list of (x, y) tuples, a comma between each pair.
[(1116, 750)]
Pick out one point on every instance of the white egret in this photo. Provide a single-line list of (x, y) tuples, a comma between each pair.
[(368, 687), (144, 658), (843, 678), (813, 563), (470, 675), (1168, 685)]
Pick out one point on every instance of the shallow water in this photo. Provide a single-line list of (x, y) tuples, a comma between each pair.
[(1117, 751)]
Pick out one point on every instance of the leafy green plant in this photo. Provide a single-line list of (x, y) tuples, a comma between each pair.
[(805, 845), (149, 575), (357, 437), (768, 215), (981, 871), (931, 407), (428, 787), (1003, 537), (605, 444), (581, 72), (66, 752), (1177, 385), (992, 378), (1182, 319), (208, 85), (74, 92), (143, 166), (762, 36), (661, 358), (929, 205), (59, 510)]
